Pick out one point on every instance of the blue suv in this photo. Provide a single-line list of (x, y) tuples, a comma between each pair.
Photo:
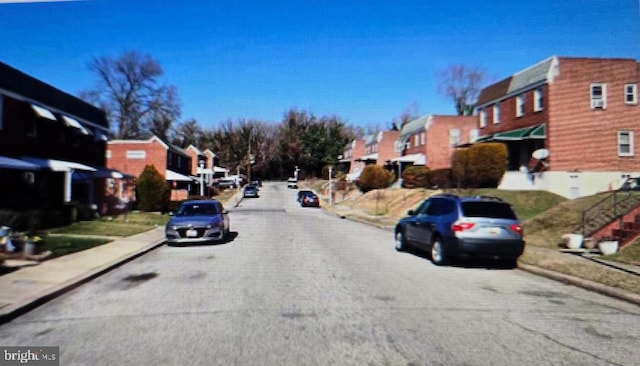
[(450, 227)]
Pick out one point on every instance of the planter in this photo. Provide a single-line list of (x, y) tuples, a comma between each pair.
[(31, 247), (573, 241), (608, 247)]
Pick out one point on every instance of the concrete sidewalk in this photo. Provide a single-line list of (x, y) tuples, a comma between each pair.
[(31, 286)]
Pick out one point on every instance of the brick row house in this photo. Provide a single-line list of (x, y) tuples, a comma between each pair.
[(172, 162), (568, 123), (426, 141), (204, 167), (432, 139), (52, 145)]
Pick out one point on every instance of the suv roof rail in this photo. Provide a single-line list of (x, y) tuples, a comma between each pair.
[(446, 195), (484, 197)]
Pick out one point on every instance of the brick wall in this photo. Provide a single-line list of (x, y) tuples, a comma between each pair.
[(439, 149), (156, 155), (386, 147), (581, 138)]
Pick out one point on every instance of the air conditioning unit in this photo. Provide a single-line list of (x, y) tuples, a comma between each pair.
[(597, 103)]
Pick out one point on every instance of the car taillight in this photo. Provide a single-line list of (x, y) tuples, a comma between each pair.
[(517, 228), (462, 226)]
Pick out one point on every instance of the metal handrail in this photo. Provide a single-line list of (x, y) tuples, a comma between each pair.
[(610, 208)]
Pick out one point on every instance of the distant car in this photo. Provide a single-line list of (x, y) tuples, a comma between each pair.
[(292, 183), (450, 227), (257, 183), (250, 191), (309, 199), (198, 221), (227, 183), (301, 193)]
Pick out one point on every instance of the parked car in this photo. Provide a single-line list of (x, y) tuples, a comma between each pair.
[(450, 227), (292, 183), (198, 221), (309, 200), (301, 194), (227, 183), (250, 191)]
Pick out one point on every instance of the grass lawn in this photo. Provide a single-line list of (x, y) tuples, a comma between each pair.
[(121, 225), (63, 245)]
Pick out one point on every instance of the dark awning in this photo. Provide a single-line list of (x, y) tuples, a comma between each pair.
[(10, 163), (513, 135), (539, 132), (532, 132)]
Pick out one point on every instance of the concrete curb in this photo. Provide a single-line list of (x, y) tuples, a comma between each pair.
[(30, 303), (583, 283)]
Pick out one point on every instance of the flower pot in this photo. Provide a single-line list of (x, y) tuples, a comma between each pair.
[(608, 247), (573, 241)]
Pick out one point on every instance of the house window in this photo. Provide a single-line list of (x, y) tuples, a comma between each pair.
[(598, 96), (496, 113), (474, 135), (630, 94), (136, 154), (423, 138), (625, 143), (483, 118), (520, 106), (108, 154), (538, 99), (454, 136), (416, 140)]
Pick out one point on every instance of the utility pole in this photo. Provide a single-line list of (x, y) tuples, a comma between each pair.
[(330, 186)]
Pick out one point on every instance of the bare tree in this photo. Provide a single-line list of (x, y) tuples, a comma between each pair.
[(187, 133), (462, 84), (128, 88)]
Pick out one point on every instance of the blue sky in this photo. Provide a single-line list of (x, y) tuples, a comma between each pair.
[(366, 61)]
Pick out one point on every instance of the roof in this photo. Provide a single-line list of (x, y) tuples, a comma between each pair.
[(415, 125), (535, 75), (19, 85)]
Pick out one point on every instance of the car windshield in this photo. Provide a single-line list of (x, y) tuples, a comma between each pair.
[(495, 210), (197, 209)]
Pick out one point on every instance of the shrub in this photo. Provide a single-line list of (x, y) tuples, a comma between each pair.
[(441, 178), (416, 177), (374, 177), (479, 166), (153, 191)]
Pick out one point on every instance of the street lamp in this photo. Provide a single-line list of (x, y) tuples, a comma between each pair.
[(201, 178)]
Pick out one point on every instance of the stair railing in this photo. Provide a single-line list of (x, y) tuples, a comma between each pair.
[(609, 209)]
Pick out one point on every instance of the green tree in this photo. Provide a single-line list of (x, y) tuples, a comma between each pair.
[(153, 190)]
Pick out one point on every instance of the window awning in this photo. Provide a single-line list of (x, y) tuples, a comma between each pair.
[(59, 165), (531, 132), (205, 171), (217, 169), (416, 159), (100, 136), (539, 132), (17, 164), (102, 172), (71, 122), (370, 157), (43, 112), (513, 135), (171, 175)]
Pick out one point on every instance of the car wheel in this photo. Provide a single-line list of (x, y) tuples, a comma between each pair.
[(438, 253), (401, 241)]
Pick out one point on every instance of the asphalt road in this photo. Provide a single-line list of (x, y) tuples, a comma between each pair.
[(297, 286)]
